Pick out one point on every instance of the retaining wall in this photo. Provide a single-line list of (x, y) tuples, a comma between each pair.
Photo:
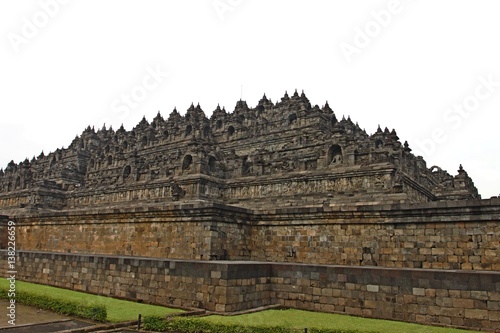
[(436, 262), (438, 235), (467, 299)]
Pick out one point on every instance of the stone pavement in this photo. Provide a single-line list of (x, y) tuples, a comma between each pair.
[(48, 321)]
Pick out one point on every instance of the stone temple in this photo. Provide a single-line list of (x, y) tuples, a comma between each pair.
[(279, 204), (284, 154)]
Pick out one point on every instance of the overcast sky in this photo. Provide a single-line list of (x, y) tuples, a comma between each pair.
[(429, 69)]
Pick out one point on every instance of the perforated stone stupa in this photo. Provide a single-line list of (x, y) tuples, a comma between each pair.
[(288, 153)]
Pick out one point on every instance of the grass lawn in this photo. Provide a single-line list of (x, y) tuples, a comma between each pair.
[(300, 319), (117, 310)]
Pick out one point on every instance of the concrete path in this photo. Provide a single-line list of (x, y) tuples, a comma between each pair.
[(26, 315)]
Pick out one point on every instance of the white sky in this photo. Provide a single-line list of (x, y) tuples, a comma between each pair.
[(70, 65)]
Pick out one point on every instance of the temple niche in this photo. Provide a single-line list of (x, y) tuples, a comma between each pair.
[(187, 163), (248, 157), (335, 155)]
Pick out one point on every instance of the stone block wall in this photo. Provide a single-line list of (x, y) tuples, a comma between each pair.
[(430, 263), (197, 231), (211, 285), (467, 299), (4, 231), (460, 235), (467, 246), (450, 298)]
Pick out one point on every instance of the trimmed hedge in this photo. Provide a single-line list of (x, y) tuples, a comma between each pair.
[(189, 325), (93, 312)]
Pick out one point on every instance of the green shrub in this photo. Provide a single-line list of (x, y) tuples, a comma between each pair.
[(326, 330), (153, 323), (190, 325), (93, 312)]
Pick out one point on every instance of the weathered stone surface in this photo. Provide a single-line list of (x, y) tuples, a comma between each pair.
[(286, 153), (340, 235), (225, 286), (278, 204)]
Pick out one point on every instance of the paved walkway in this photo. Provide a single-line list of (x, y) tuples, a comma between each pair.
[(29, 315)]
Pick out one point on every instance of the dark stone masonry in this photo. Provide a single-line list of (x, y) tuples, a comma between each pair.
[(281, 204)]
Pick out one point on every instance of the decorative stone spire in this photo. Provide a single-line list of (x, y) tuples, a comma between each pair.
[(327, 107), (263, 100), (218, 112), (241, 105), (394, 134), (338, 128), (406, 147), (157, 120), (174, 116), (264, 103), (461, 170), (195, 114)]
